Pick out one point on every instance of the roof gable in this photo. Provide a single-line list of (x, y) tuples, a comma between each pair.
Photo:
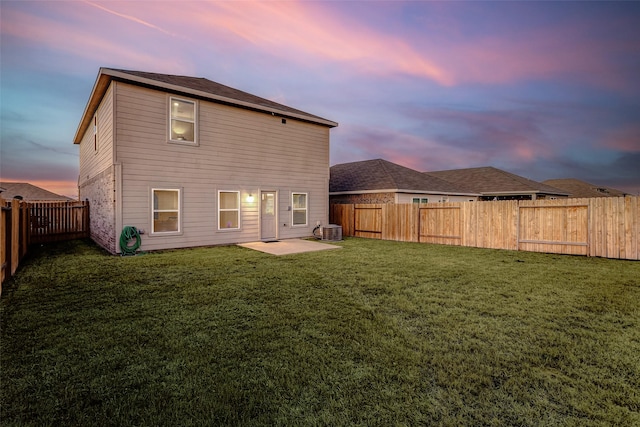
[(490, 180), (381, 174), (191, 86), (29, 192), (579, 189)]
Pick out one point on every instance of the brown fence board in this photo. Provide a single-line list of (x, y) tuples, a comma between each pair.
[(554, 228), (631, 228), (440, 224), (603, 227), (397, 223), (470, 224), (368, 221)]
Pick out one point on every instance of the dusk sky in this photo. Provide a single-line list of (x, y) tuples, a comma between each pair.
[(542, 89)]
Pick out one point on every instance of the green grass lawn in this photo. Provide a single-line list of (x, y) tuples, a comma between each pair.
[(376, 333)]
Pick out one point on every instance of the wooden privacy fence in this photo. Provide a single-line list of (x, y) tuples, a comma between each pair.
[(604, 227), (24, 223), (55, 221)]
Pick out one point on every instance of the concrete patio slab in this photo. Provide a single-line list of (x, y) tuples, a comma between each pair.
[(288, 246)]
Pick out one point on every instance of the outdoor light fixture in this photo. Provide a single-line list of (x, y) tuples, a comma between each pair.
[(250, 198)]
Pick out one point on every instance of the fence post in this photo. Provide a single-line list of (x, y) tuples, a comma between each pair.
[(15, 235), (11, 235), (5, 242), (87, 219), (24, 228)]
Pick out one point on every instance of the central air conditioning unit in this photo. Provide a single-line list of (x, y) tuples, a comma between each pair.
[(332, 232)]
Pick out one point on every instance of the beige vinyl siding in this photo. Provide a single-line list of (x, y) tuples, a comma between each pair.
[(96, 179), (94, 162), (238, 150)]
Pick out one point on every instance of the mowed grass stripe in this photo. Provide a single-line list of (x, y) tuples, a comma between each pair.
[(378, 333)]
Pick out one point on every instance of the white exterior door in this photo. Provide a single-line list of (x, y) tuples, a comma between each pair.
[(268, 218)]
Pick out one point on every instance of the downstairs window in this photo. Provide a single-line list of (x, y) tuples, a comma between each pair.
[(299, 207), (228, 210), (166, 210)]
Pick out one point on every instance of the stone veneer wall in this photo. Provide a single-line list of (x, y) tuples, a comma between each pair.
[(99, 190), (374, 198)]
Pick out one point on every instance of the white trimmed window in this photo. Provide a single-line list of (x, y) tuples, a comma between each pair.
[(299, 208), (166, 210), (228, 210), (182, 127), (420, 200)]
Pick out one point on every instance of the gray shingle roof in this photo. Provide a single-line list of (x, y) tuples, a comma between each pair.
[(579, 189), (29, 192), (381, 174), (188, 86), (489, 180), (207, 86)]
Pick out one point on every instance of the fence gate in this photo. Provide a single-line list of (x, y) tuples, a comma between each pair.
[(554, 229)]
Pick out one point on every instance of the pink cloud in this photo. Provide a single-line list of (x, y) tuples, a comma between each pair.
[(626, 139), (497, 135), (315, 34), (525, 152), (416, 152), (309, 32), (570, 49), (64, 188), (451, 139), (127, 33), (73, 36)]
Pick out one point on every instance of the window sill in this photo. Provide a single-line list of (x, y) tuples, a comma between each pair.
[(165, 233), (185, 143)]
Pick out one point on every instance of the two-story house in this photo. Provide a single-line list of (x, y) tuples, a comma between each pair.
[(191, 162)]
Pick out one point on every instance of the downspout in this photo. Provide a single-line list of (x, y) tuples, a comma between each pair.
[(117, 199), (117, 169)]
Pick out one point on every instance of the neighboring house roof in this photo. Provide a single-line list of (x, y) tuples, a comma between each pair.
[(383, 176), (29, 192), (490, 181), (190, 86), (580, 189)]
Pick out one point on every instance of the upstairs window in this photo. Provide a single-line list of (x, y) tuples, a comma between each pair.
[(183, 121), (299, 204)]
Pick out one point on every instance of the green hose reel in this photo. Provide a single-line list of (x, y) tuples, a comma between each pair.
[(128, 234)]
